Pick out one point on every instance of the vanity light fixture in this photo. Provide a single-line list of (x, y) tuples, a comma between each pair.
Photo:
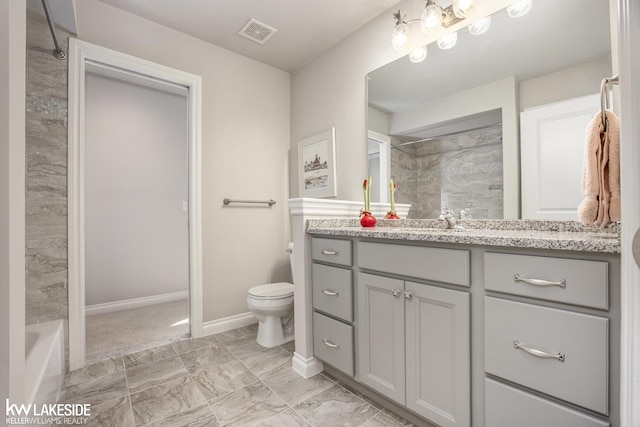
[(480, 26), (463, 8), (448, 41), (418, 55), (519, 8)]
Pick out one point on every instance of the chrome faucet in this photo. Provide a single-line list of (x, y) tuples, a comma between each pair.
[(464, 214), (448, 216)]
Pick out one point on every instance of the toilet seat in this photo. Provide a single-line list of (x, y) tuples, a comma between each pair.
[(271, 291)]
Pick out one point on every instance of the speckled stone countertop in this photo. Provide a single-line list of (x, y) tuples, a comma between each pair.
[(537, 234)]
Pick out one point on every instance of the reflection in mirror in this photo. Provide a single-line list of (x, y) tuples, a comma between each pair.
[(465, 104), (378, 163)]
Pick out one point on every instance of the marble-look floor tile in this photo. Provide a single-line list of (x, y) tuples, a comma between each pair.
[(335, 407), (96, 390), (95, 370), (166, 399), (267, 361), (116, 412), (217, 380), (185, 346), (198, 360), (249, 404), (154, 373), (150, 355), (196, 417), (286, 418), (396, 418), (293, 388), (235, 334), (242, 346), (289, 346), (382, 420)]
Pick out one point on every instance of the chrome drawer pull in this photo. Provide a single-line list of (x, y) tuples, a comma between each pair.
[(408, 294), (539, 282), (330, 292), (329, 343), (328, 252), (538, 353), (396, 292)]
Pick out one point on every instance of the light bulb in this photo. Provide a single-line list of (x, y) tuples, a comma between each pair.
[(431, 18), (448, 41), (463, 8), (418, 55), (480, 26), (400, 37), (519, 8)]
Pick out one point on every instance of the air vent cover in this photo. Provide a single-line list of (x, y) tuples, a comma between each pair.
[(257, 31)]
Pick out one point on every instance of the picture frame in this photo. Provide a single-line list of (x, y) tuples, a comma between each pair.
[(317, 165)]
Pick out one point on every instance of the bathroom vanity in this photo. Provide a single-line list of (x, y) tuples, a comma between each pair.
[(501, 323)]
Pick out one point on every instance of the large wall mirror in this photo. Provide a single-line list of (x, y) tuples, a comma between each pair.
[(453, 121)]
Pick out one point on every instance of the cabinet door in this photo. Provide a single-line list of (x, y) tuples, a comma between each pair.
[(438, 354), (381, 335)]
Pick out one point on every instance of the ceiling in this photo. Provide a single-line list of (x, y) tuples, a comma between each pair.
[(305, 28)]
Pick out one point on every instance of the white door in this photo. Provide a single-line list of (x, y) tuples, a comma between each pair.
[(552, 139)]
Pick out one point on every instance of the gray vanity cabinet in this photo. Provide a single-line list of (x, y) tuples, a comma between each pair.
[(413, 342)]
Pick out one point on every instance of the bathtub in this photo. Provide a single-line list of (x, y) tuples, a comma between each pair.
[(44, 361)]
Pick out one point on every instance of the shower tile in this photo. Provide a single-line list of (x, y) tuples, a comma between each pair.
[(191, 344), (249, 404), (293, 388), (154, 373), (96, 390), (93, 371), (267, 361), (116, 412), (336, 407), (150, 355), (198, 360), (165, 399), (218, 380), (286, 418), (197, 417)]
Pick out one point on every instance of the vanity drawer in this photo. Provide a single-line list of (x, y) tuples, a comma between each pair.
[(585, 282), (506, 406), (333, 291), (582, 378), (331, 250), (333, 342), (440, 265)]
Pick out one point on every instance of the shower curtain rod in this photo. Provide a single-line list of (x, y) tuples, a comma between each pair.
[(446, 134), (57, 52)]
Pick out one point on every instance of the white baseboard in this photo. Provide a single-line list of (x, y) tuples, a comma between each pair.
[(108, 307), (307, 367), (228, 323)]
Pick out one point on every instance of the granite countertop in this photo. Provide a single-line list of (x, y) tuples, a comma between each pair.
[(536, 234)]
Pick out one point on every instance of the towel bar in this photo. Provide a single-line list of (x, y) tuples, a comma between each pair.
[(269, 202)]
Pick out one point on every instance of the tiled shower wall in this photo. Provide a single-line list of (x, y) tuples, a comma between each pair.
[(458, 171), (46, 175)]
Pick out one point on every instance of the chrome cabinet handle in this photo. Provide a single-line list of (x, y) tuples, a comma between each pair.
[(408, 294), (539, 282), (538, 353), (330, 292), (396, 292), (329, 343), (328, 252)]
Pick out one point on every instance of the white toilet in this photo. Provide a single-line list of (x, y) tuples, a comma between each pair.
[(272, 305)]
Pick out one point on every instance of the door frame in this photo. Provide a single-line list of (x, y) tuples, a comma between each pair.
[(82, 55)]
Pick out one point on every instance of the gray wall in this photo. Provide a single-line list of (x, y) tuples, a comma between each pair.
[(46, 175), (136, 180)]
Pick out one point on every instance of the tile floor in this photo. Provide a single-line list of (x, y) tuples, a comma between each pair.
[(219, 380)]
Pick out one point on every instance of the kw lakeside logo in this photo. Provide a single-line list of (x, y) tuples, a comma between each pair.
[(47, 414)]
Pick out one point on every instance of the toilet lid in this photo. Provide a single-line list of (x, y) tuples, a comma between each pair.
[(272, 291)]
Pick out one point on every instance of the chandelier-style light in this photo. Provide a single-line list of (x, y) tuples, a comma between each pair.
[(435, 19)]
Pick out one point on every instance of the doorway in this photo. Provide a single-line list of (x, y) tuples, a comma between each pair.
[(134, 188)]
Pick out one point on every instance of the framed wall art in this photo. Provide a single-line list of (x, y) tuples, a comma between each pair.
[(317, 165)]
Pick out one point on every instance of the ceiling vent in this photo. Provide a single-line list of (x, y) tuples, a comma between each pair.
[(257, 31)]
